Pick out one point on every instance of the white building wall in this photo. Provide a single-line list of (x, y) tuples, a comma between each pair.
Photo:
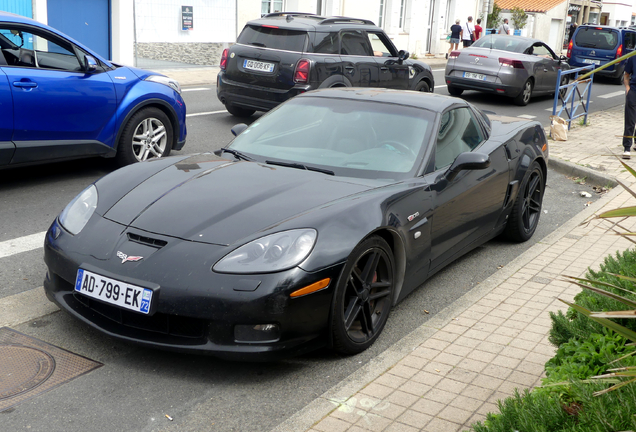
[(123, 32), (620, 13)]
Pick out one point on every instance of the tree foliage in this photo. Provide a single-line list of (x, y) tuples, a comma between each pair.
[(494, 20), (519, 18)]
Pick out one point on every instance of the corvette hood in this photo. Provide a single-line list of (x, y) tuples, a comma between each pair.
[(212, 200)]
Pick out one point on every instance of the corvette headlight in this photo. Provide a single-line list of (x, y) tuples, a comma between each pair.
[(77, 213), (275, 252), (165, 81)]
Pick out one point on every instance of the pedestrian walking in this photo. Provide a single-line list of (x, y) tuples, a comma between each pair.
[(572, 29), (504, 28), (468, 32), (456, 31), (629, 79), (478, 29)]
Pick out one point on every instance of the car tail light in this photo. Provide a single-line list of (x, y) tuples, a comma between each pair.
[(511, 63), (619, 51), (301, 74), (223, 64), (570, 45), (270, 26), (454, 54)]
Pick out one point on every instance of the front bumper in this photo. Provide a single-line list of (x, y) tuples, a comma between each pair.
[(193, 309), (254, 97)]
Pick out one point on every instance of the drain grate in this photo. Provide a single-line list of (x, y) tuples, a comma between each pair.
[(30, 367)]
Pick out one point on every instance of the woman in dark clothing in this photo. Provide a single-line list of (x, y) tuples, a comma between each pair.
[(456, 34)]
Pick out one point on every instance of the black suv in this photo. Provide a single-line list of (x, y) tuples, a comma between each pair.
[(285, 54)]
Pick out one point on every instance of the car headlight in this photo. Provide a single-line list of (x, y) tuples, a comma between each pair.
[(275, 252), (165, 81), (77, 213)]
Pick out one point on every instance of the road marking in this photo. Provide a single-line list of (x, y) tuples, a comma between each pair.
[(205, 113), (611, 95), (440, 86), (25, 306), (22, 244), (527, 116), (437, 70), (196, 89)]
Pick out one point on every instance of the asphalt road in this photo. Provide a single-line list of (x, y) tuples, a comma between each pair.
[(137, 387)]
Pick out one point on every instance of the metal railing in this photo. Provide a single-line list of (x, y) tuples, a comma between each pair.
[(574, 94)]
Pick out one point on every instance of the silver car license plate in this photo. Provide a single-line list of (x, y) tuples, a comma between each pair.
[(474, 76), (113, 291), (590, 61), (258, 66)]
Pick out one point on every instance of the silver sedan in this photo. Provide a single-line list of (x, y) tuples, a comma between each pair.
[(513, 66)]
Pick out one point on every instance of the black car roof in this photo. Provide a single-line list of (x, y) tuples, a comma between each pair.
[(429, 101), (311, 22)]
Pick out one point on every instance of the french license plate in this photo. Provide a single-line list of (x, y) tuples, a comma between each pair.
[(113, 291), (474, 76), (258, 65), (590, 61)]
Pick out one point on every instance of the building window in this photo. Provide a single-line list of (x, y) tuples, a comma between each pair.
[(402, 10), (270, 6), (381, 17)]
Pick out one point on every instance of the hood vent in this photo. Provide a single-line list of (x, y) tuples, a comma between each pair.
[(148, 241)]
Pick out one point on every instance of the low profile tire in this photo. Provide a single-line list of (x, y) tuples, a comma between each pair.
[(526, 211), (564, 80), (363, 297), (454, 91), (423, 86), (147, 135), (523, 98), (239, 112)]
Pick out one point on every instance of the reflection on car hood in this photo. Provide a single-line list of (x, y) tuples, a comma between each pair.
[(213, 200)]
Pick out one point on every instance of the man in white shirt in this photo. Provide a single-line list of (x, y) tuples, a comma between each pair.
[(504, 28), (468, 32)]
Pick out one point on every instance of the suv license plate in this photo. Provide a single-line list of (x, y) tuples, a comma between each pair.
[(590, 61), (113, 291), (474, 76), (258, 66)]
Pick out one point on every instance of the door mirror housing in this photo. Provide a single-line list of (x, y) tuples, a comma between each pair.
[(467, 161), (403, 55), (238, 129), (90, 63)]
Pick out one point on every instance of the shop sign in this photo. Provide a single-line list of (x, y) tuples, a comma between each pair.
[(574, 8), (186, 18)]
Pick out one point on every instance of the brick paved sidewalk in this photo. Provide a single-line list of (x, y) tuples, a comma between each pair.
[(498, 342)]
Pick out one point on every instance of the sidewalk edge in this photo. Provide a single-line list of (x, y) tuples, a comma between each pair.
[(591, 176)]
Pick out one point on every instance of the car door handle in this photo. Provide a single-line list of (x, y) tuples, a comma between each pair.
[(384, 69), (25, 84), (545, 70)]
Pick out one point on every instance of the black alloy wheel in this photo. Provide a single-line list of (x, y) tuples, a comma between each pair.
[(454, 91), (527, 208), (423, 86), (363, 297)]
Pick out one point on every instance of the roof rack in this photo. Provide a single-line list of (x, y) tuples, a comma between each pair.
[(336, 20), (280, 14)]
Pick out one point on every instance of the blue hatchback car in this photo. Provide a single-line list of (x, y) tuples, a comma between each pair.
[(59, 100), (598, 45)]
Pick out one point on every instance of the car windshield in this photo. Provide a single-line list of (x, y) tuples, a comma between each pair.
[(275, 38), (596, 37), (352, 138), (502, 42)]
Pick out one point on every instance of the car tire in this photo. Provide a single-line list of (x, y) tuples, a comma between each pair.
[(363, 297), (147, 135), (526, 210), (563, 92), (239, 112), (423, 86), (454, 91), (524, 96)]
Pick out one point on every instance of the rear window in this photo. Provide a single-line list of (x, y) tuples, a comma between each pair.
[(592, 37), (275, 38), (504, 43)]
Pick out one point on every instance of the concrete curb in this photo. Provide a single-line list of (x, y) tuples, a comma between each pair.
[(338, 394), (592, 176)]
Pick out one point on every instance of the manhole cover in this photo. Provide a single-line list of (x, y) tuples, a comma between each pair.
[(23, 368), (30, 367)]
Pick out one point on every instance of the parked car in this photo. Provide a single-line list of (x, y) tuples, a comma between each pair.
[(598, 45), (304, 232), (60, 100), (513, 66), (285, 54)]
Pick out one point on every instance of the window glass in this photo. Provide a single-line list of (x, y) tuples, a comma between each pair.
[(458, 133), (355, 42), (288, 40), (541, 50), (327, 43), (33, 50), (630, 40), (270, 6), (502, 42), (592, 37), (381, 48)]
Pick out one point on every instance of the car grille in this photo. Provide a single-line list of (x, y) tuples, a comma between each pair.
[(148, 241)]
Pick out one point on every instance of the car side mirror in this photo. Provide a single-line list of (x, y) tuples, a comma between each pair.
[(238, 129), (563, 58), (403, 55), (467, 161), (91, 63)]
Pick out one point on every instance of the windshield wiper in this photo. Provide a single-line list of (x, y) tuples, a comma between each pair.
[(236, 153), (300, 166)]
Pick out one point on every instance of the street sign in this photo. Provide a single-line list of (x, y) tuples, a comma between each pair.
[(186, 18)]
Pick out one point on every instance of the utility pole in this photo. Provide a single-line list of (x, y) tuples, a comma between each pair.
[(487, 8)]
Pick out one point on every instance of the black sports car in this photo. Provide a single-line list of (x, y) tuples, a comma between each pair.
[(304, 232)]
